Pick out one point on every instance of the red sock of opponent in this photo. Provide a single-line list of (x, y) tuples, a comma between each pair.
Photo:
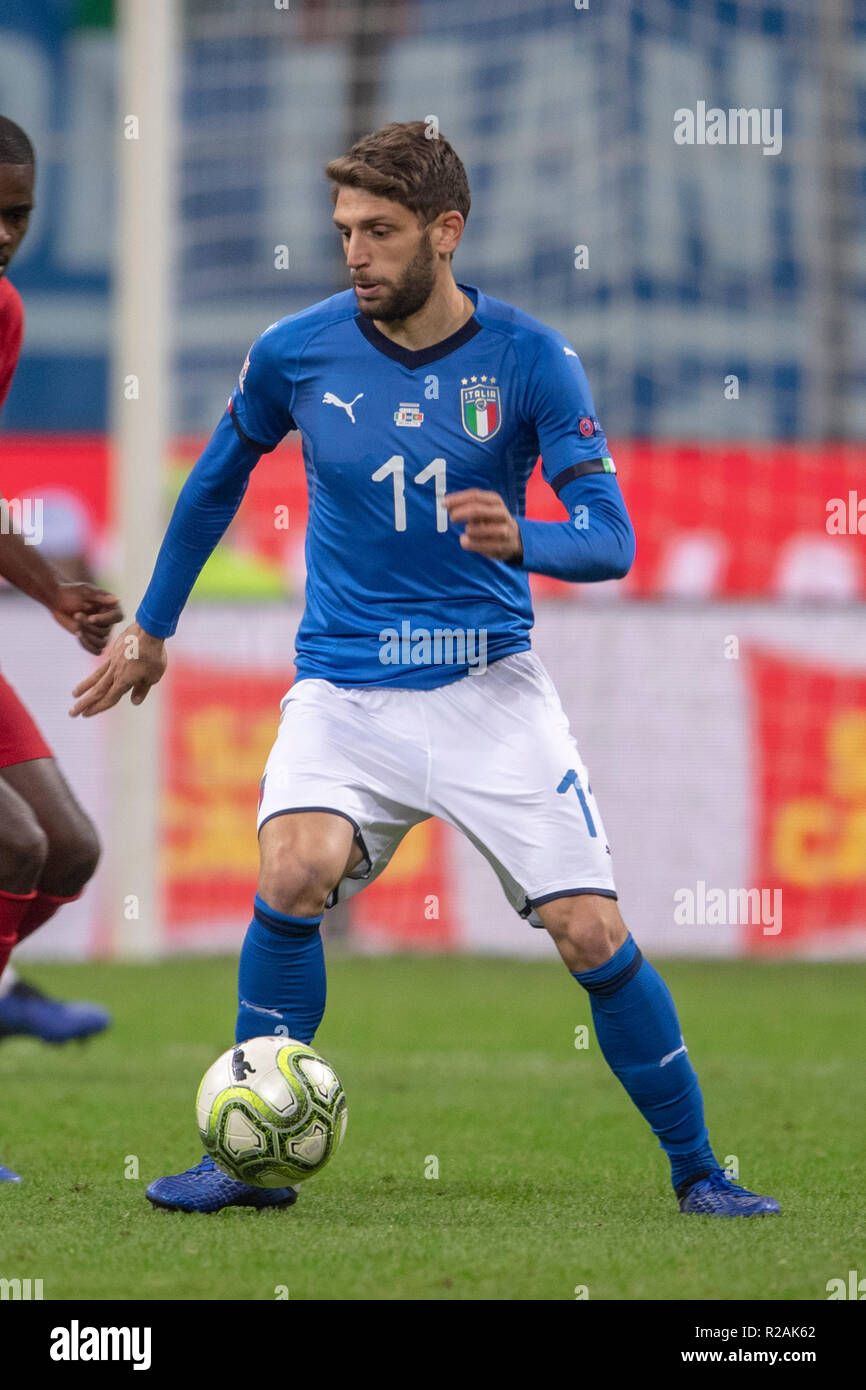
[(13, 909), (43, 906)]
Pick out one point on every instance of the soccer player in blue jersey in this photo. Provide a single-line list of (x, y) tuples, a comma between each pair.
[(423, 406)]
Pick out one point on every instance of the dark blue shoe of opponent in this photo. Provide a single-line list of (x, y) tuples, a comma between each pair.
[(25, 1009), (716, 1195), (6, 1175), (206, 1188)]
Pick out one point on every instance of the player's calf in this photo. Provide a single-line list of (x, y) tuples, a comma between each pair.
[(281, 975), (639, 1034)]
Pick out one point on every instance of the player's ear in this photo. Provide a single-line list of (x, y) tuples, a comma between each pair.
[(446, 231)]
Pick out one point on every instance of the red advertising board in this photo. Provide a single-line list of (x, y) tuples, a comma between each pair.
[(221, 723), (712, 520), (809, 768)]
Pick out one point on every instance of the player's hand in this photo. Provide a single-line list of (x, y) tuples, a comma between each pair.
[(135, 662), (88, 612), (490, 527)]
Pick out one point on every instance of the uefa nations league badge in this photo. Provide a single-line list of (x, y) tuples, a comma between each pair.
[(480, 407)]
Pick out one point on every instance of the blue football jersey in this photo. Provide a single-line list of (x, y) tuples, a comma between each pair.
[(386, 433)]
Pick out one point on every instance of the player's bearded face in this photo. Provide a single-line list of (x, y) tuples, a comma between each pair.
[(411, 292)]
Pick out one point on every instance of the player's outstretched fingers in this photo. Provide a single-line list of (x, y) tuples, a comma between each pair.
[(90, 681), (102, 698), (97, 690)]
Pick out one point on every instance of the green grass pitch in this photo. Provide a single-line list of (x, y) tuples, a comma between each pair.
[(548, 1179)]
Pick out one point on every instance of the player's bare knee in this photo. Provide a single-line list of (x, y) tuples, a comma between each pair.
[(23, 852), (587, 929), (296, 882), (300, 889), (71, 859), (303, 857)]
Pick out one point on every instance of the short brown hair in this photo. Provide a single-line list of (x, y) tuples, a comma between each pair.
[(403, 162)]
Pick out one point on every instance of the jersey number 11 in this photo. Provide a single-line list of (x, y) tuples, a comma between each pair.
[(395, 468)]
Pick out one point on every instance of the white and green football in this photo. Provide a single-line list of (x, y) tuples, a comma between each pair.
[(271, 1111)]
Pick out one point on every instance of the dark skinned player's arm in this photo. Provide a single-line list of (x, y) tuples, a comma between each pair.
[(23, 566)]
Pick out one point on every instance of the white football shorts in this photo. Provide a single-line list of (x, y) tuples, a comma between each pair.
[(490, 753)]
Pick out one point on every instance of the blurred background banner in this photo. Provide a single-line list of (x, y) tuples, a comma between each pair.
[(715, 288)]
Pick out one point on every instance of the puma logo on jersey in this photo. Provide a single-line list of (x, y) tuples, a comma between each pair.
[(330, 399), (569, 352)]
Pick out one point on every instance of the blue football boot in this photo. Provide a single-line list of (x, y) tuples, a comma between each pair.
[(207, 1188), (6, 1175), (716, 1195), (24, 1009)]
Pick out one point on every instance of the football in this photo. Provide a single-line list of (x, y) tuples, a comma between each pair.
[(271, 1111)]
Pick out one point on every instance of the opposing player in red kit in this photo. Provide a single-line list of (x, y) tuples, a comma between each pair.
[(48, 845)]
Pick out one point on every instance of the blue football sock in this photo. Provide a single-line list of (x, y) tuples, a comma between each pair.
[(639, 1034), (281, 976)]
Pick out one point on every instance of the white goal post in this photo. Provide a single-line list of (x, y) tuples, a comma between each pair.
[(140, 423)]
